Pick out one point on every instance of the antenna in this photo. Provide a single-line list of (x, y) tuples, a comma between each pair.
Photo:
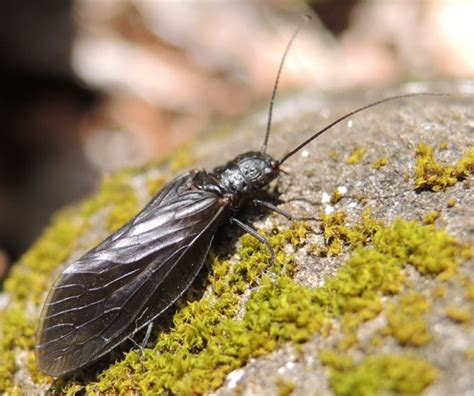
[(320, 132), (277, 80)]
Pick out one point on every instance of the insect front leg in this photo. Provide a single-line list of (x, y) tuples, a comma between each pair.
[(256, 235), (289, 216)]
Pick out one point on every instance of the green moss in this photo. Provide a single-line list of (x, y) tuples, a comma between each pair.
[(17, 331), (431, 217), (459, 314), (356, 156), (380, 163), (336, 196), (452, 201), (181, 159), (337, 234), (379, 375), (285, 387), (355, 293), (443, 146), (7, 368), (439, 292), (218, 333), (469, 291), (430, 250), (432, 175), (28, 278), (469, 353), (208, 340), (154, 184), (117, 196), (406, 322)]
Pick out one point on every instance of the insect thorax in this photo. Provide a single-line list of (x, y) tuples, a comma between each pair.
[(247, 173)]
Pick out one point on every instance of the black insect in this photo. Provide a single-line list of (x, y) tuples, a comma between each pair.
[(133, 276)]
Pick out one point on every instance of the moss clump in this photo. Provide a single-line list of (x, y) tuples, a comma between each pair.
[(285, 387), (17, 332), (337, 234), (116, 195), (380, 163), (452, 202), (356, 156), (154, 184), (469, 291), (459, 314), (439, 292), (378, 375), (428, 249), (405, 320), (431, 217), (336, 196), (443, 146), (432, 175), (469, 353), (29, 277), (181, 159)]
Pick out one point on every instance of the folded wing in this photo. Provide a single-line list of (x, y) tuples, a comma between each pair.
[(129, 279)]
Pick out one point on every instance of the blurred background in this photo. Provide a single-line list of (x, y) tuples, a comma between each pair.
[(91, 86)]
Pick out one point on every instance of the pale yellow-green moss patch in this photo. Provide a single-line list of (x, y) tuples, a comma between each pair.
[(459, 314), (431, 217), (452, 201), (432, 175), (336, 196), (378, 375), (469, 291), (406, 320), (285, 387), (207, 341), (379, 163), (439, 292), (356, 156), (469, 353)]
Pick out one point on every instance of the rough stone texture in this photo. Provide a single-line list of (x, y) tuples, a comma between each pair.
[(391, 130)]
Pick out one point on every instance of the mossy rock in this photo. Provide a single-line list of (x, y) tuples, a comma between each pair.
[(376, 298)]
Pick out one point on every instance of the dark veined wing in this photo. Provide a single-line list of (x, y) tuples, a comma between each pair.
[(129, 279)]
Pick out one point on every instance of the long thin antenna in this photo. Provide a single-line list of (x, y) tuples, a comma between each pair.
[(319, 133), (277, 80)]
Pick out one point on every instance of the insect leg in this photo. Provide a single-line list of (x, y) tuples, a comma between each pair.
[(142, 344), (147, 335), (283, 212), (256, 235)]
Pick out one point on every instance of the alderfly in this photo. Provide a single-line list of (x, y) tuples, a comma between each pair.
[(131, 278)]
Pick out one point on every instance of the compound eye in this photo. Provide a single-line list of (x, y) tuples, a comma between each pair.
[(249, 170)]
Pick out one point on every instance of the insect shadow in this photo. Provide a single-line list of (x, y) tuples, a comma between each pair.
[(135, 276)]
